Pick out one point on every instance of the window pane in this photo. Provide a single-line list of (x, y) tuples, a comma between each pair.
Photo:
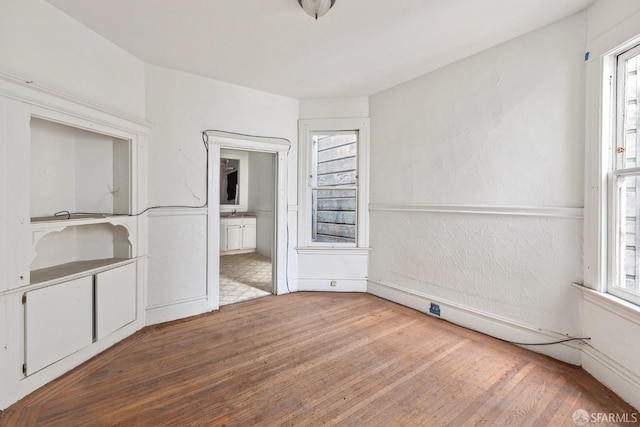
[(334, 160), (334, 167), (334, 216), (631, 113), (628, 210)]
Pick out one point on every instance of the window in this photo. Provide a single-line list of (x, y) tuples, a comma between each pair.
[(624, 208), (333, 184), (334, 187)]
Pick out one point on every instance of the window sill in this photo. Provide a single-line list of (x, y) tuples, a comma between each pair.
[(611, 303), (331, 250)]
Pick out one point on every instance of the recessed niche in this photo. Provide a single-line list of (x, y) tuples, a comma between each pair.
[(77, 244), (76, 170)]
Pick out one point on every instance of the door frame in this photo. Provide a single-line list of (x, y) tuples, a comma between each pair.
[(216, 141)]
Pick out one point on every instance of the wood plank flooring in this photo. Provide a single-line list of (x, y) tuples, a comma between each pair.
[(315, 359)]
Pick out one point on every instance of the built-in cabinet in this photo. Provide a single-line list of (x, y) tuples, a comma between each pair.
[(58, 322), (237, 235), (114, 300), (75, 266)]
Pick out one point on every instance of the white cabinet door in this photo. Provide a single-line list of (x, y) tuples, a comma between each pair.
[(115, 299), (58, 322), (234, 234), (249, 234)]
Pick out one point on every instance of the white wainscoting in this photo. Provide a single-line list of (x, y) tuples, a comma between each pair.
[(611, 355), (178, 265), (501, 270), (333, 269)]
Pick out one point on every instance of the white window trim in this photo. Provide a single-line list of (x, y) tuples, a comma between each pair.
[(615, 126), (306, 128), (601, 134)]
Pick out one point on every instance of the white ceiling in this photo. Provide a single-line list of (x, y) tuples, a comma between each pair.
[(359, 48)]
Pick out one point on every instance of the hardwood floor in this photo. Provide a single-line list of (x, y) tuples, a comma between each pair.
[(315, 359)]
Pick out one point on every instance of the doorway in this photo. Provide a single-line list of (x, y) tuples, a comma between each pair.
[(247, 224), (268, 200)]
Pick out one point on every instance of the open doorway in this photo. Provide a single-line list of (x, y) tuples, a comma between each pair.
[(247, 224), (270, 234)]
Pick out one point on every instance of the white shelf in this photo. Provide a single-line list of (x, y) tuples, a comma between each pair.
[(53, 222), (76, 269)]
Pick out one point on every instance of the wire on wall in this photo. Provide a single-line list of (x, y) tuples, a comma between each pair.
[(205, 141), (68, 214), (547, 343), (205, 137)]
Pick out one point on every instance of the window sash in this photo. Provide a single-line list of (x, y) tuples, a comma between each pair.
[(624, 209), (625, 213), (626, 145), (333, 188)]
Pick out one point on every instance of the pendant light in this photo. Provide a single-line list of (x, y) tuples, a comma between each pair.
[(316, 8)]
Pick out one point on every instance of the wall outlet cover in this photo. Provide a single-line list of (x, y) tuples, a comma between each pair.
[(434, 309)]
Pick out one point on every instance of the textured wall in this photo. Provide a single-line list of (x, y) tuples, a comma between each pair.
[(504, 130), (181, 106)]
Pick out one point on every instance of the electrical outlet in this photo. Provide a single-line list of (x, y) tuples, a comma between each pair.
[(333, 283), (434, 309)]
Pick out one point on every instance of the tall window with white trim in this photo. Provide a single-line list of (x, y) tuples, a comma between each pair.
[(625, 181), (333, 183)]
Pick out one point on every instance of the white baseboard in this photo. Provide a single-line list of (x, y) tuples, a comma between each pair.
[(625, 383), (324, 285), (177, 310), (477, 320)]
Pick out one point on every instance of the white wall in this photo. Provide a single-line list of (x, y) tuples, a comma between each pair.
[(181, 106), (262, 198), (331, 108), (613, 352), (40, 43), (477, 185), (605, 17)]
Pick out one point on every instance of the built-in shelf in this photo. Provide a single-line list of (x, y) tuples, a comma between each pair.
[(47, 222), (73, 284), (69, 217), (60, 242), (73, 270)]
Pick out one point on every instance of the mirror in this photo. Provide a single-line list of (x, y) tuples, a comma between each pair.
[(234, 180), (229, 181)]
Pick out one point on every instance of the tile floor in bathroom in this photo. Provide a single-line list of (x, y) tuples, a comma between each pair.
[(244, 276)]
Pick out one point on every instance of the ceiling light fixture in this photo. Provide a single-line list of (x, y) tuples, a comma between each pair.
[(316, 8)]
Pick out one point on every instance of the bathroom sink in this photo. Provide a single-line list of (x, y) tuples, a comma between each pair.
[(237, 214)]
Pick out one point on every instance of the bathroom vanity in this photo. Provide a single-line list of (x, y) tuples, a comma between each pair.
[(237, 233)]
